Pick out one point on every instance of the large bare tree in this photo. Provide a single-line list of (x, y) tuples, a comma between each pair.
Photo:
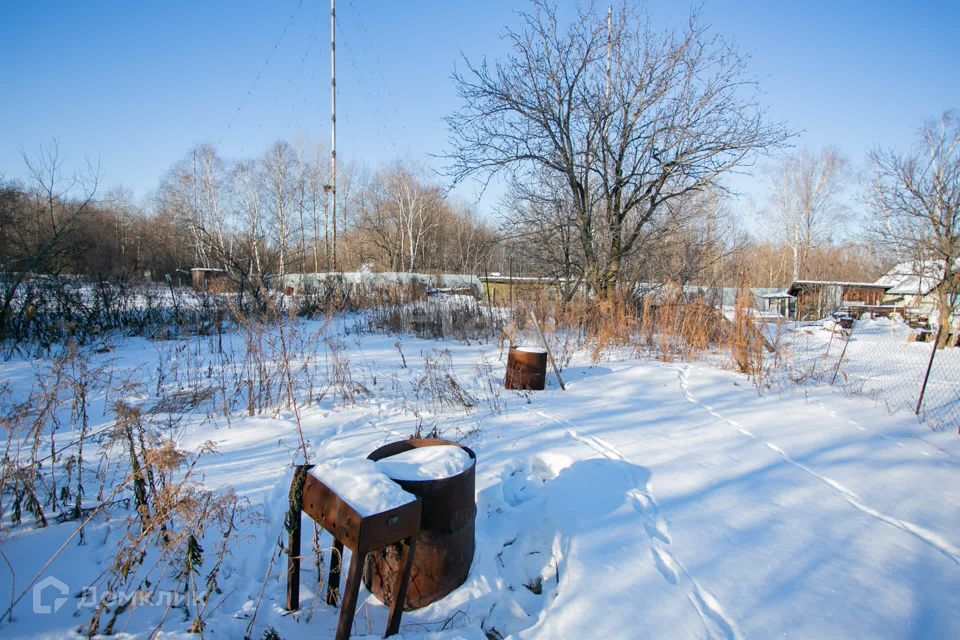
[(627, 117), (916, 196)]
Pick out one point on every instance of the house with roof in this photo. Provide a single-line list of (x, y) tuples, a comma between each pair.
[(916, 285), (913, 284)]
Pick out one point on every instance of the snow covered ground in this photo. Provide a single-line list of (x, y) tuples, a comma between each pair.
[(879, 362), (649, 499)]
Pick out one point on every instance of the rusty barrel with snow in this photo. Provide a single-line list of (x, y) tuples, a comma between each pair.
[(526, 368), (443, 475)]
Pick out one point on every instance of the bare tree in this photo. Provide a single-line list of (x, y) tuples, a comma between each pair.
[(220, 204), (465, 240), (316, 193), (417, 207), (916, 196), (628, 118), (804, 208), (542, 224), (36, 223), (280, 180), (196, 191), (398, 214), (694, 245)]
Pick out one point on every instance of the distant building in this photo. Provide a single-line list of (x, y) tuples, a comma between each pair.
[(203, 278), (819, 298), (365, 279), (916, 285), (780, 303)]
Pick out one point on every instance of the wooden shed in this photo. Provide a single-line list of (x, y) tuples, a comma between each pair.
[(203, 277), (819, 298)]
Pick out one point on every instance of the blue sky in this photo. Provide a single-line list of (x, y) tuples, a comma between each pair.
[(134, 85)]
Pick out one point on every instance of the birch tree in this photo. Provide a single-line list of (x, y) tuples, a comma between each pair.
[(398, 213), (280, 183), (805, 206), (195, 191)]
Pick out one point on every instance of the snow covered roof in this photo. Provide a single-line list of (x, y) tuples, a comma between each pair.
[(912, 278), (838, 283), (893, 277), (914, 285), (777, 294)]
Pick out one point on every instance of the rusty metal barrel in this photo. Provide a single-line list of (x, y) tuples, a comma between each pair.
[(526, 368), (445, 546)]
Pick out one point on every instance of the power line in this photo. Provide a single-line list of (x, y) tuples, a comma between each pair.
[(263, 68), (375, 78)]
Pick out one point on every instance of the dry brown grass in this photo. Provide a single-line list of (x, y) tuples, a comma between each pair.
[(664, 324)]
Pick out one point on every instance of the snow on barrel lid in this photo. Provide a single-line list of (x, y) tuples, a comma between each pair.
[(434, 462), (530, 349), (361, 485)]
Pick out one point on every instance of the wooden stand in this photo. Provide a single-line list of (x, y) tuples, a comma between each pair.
[(360, 534)]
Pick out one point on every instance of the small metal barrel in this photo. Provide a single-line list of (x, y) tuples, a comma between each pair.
[(526, 368), (445, 546)]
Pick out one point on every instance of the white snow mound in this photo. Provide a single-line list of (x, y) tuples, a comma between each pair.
[(426, 463), (530, 349), (364, 487)]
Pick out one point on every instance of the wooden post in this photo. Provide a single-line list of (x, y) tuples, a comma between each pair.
[(293, 538), (546, 346)]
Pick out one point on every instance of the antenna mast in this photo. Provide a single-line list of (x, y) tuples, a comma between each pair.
[(609, 48), (333, 122)]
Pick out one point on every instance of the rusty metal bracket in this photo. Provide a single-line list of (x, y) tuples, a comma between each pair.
[(360, 534)]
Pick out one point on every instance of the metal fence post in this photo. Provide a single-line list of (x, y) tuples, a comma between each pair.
[(926, 376), (842, 353)]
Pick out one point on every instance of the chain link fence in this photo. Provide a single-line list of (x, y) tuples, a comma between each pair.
[(879, 358)]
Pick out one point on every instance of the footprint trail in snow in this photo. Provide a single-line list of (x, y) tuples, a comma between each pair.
[(712, 614), (924, 535)]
